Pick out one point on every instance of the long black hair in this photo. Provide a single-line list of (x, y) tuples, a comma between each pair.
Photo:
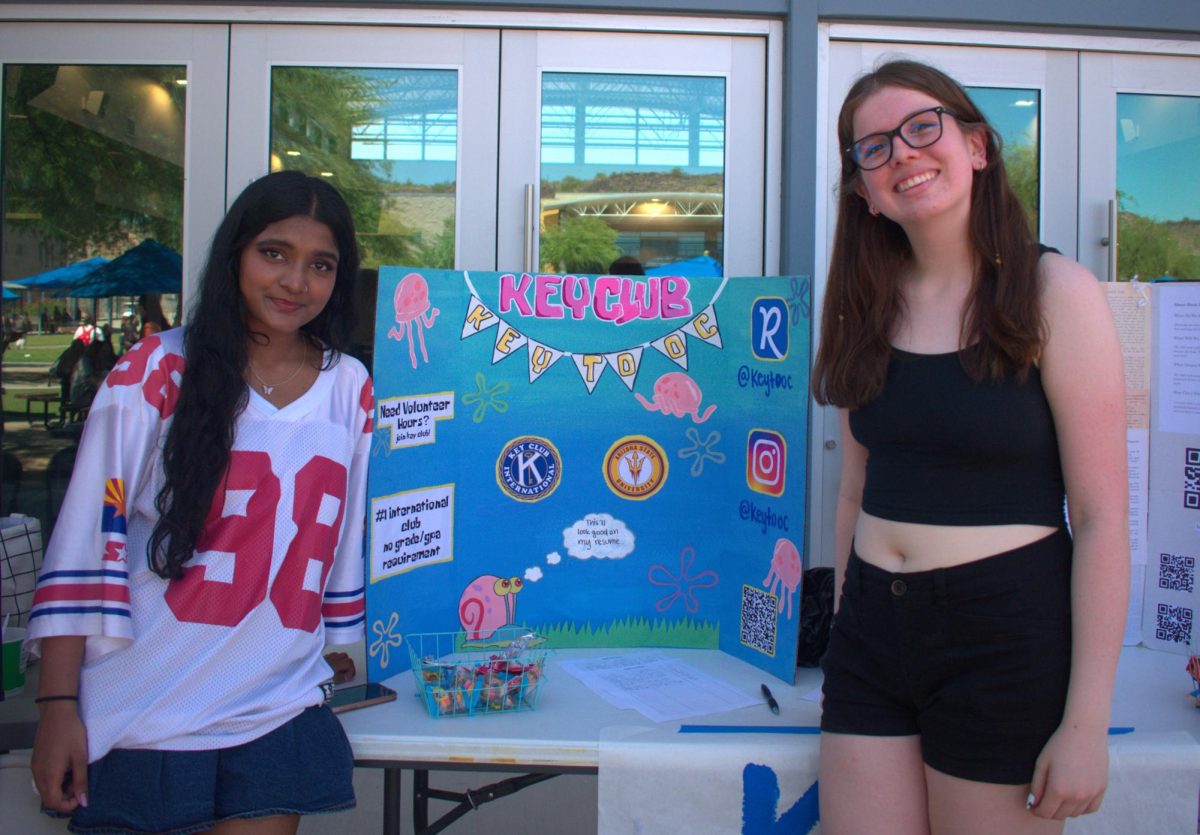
[(212, 392)]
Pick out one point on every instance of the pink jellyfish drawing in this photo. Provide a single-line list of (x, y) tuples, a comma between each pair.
[(675, 393), (488, 603), (413, 313), (785, 571)]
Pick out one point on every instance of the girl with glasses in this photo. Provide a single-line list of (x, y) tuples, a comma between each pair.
[(970, 670), (211, 544)]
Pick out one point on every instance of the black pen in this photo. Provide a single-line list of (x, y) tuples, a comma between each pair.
[(771, 703)]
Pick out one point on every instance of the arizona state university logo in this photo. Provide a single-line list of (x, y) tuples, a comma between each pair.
[(635, 467), (529, 468)]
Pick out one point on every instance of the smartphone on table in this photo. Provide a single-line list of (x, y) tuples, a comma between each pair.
[(360, 695)]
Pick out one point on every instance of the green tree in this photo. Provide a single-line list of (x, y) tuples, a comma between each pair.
[(579, 245), (314, 111), (1148, 250), (85, 185), (1021, 165), (438, 253)]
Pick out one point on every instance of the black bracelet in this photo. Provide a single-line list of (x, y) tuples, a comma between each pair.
[(41, 699)]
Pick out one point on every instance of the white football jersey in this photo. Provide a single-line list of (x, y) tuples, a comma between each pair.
[(233, 649)]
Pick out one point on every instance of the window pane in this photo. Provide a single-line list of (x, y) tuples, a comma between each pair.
[(388, 140), (93, 166), (632, 166), (1014, 114), (1158, 186)]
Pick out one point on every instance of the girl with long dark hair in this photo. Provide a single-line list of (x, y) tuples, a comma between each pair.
[(970, 670), (210, 543)]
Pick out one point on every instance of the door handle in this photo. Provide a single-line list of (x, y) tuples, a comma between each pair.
[(1110, 240), (531, 225)]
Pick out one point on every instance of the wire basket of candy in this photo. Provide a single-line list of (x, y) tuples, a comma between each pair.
[(502, 673)]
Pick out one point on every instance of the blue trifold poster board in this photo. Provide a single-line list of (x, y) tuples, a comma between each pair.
[(609, 460)]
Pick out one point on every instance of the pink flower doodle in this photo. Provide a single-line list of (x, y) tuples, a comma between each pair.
[(684, 584)]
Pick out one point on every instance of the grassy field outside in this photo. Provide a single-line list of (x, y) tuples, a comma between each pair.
[(26, 371), (40, 349)]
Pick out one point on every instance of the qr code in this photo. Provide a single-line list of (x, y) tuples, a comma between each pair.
[(1176, 572), (1191, 478), (1174, 624), (760, 616)]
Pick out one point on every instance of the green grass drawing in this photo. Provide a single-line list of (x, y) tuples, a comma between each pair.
[(682, 632)]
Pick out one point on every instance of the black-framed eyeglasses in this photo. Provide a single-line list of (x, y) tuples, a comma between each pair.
[(920, 130)]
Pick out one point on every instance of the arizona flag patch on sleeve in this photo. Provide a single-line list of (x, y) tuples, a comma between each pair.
[(113, 519)]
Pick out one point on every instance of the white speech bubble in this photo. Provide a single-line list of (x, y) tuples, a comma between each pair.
[(598, 535), (553, 558), (533, 574)]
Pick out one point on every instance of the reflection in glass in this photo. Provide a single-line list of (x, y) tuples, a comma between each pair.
[(388, 140), (92, 163), (632, 167), (1158, 186), (1014, 114)]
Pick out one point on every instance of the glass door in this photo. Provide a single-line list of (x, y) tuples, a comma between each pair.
[(403, 121), (1139, 198), (632, 152), (111, 134)]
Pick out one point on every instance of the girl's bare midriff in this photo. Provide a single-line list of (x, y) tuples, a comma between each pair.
[(909, 546)]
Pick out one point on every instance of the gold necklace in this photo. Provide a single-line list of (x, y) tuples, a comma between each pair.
[(266, 387)]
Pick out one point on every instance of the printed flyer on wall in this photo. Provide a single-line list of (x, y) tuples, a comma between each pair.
[(606, 460)]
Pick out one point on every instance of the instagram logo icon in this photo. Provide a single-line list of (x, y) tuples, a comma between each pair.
[(766, 462)]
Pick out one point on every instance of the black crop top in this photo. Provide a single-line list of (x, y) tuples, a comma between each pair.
[(946, 450)]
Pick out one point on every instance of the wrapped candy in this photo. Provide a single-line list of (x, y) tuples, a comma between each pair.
[(494, 694), (464, 689), (458, 678), (526, 684), (443, 702), (435, 672), (518, 645)]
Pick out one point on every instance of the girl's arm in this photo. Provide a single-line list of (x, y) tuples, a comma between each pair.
[(74, 620), (60, 753), (344, 606), (1084, 381), (849, 502)]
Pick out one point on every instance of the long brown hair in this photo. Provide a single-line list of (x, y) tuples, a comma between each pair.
[(1001, 321)]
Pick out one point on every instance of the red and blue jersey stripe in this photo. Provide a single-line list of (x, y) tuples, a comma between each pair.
[(104, 591), (344, 609)]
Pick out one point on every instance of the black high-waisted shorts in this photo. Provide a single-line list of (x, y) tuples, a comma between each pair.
[(975, 659)]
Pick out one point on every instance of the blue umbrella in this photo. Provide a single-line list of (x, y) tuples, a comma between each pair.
[(9, 294), (149, 267), (699, 266), (60, 277)]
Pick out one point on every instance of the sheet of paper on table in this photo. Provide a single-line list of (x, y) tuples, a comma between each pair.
[(660, 688)]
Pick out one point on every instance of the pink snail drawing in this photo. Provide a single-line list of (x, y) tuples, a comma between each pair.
[(488, 603), (784, 576), (413, 313), (675, 393)]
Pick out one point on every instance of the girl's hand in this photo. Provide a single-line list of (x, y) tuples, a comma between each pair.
[(1071, 774), (59, 762), (343, 666)]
